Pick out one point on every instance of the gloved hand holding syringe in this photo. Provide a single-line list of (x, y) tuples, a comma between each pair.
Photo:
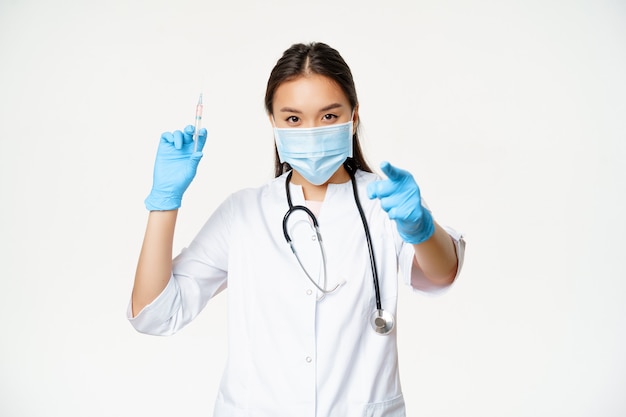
[(176, 163)]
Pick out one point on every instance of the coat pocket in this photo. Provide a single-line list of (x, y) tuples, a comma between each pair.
[(390, 408)]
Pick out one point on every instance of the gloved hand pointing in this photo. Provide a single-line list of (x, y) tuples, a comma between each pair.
[(175, 167), (400, 197)]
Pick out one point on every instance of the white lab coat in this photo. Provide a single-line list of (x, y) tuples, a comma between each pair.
[(290, 354)]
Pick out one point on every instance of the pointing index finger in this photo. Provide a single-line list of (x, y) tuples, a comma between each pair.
[(393, 173)]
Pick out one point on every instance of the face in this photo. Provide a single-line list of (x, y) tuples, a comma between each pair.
[(311, 101)]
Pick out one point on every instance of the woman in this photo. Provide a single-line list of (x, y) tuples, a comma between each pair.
[(311, 321)]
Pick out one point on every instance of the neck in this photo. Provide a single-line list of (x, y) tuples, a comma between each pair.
[(318, 192)]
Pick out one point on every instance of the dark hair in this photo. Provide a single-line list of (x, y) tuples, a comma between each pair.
[(314, 58)]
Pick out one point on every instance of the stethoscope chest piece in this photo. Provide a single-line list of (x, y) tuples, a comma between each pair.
[(382, 321)]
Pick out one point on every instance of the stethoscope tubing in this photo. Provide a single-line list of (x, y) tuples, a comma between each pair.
[(368, 236), (381, 320), (293, 208)]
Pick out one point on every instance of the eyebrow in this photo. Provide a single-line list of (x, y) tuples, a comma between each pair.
[(326, 108)]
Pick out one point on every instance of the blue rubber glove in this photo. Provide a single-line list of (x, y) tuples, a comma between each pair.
[(400, 197), (174, 169)]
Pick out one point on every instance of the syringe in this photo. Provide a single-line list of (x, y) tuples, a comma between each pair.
[(196, 130)]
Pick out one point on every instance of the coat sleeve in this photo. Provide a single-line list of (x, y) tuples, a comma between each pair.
[(412, 273), (199, 273)]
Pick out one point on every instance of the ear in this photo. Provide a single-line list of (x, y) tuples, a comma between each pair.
[(271, 119), (355, 118)]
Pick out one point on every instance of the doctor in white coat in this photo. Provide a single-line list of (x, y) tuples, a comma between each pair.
[(311, 259)]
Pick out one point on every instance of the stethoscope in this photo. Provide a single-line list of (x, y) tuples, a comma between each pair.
[(382, 321)]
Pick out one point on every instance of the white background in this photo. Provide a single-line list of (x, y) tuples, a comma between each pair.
[(511, 116)]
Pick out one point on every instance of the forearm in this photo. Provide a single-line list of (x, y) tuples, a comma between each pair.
[(154, 267), (437, 257)]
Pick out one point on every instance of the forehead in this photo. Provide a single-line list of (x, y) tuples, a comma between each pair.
[(309, 93)]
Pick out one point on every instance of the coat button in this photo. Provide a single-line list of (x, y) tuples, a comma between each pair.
[(309, 359)]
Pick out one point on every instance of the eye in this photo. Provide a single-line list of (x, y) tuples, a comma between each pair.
[(292, 119), (329, 117)]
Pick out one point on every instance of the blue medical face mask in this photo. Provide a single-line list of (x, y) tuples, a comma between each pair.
[(317, 152)]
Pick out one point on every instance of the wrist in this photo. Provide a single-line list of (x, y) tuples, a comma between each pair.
[(160, 201), (419, 231)]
